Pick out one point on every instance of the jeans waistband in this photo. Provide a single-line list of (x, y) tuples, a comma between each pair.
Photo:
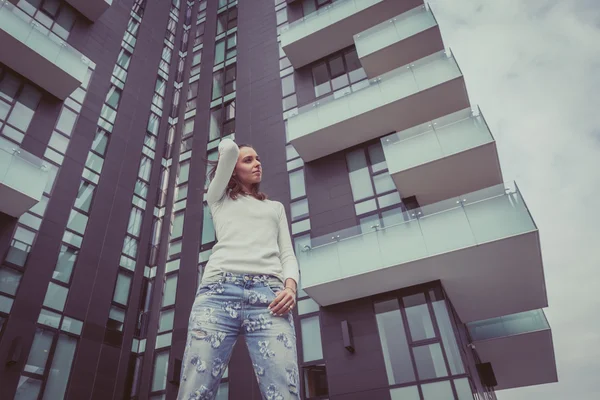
[(244, 279)]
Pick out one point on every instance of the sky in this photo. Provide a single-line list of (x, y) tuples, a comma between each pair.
[(533, 66)]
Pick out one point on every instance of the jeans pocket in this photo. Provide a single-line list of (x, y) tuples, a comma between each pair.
[(275, 286)]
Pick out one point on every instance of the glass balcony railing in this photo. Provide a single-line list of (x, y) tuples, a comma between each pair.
[(25, 29), (388, 88), (394, 30), (451, 134), (326, 16), (473, 219), (22, 179), (508, 325)]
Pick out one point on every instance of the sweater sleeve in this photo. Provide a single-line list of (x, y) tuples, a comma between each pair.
[(288, 259), (228, 155)]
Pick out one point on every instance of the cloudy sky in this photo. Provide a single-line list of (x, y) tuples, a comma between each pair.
[(534, 68)]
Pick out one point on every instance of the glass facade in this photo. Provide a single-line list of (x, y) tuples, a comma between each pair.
[(419, 346)]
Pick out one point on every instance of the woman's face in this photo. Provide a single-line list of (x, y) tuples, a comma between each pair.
[(248, 168)]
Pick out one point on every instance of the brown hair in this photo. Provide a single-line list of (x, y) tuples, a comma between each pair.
[(234, 187)]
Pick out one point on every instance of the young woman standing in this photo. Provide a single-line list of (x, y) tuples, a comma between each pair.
[(248, 287)]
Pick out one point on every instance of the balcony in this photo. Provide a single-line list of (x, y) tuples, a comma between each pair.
[(22, 180), (92, 9), (481, 246), (332, 28), (398, 41), (518, 346), (443, 158), (38, 55), (411, 95)]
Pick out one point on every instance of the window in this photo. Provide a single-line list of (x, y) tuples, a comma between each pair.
[(340, 73), (178, 220), (66, 121), (166, 320), (116, 319), (297, 187), (315, 381), (56, 16), (85, 196), (227, 20), (170, 289), (40, 350), (100, 142), (419, 318), (122, 288), (65, 264), (373, 189), (61, 367), (18, 103), (311, 339), (394, 343), (56, 296), (145, 168), (135, 221), (9, 280), (224, 82), (419, 348), (159, 376), (208, 229), (226, 48), (222, 121)]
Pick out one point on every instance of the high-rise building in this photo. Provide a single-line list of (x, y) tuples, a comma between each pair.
[(421, 270)]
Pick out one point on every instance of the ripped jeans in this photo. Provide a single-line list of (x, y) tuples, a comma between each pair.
[(232, 305)]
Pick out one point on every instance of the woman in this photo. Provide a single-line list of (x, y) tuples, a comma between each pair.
[(248, 287)]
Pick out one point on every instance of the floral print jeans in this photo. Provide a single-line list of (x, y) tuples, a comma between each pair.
[(232, 305)]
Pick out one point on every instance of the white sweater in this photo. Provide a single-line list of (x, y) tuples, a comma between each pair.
[(253, 236)]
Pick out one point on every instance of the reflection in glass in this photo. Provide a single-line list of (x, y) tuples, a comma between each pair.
[(39, 352), (311, 339), (394, 343), (419, 319), (56, 296), (28, 388), (463, 389), (405, 393), (430, 361), (437, 391), (61, 368), (9, 280), (448, 338), (159, 377)]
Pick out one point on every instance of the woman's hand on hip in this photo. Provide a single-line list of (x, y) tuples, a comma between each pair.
[(283, 303)]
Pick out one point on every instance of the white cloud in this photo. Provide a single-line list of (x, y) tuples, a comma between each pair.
[(534, 68)]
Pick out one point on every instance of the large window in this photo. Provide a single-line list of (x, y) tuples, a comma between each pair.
[(339, 74), (55, 15), (420, 350), (222, 121), (227, 20), (376, 200), (18, 103)]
